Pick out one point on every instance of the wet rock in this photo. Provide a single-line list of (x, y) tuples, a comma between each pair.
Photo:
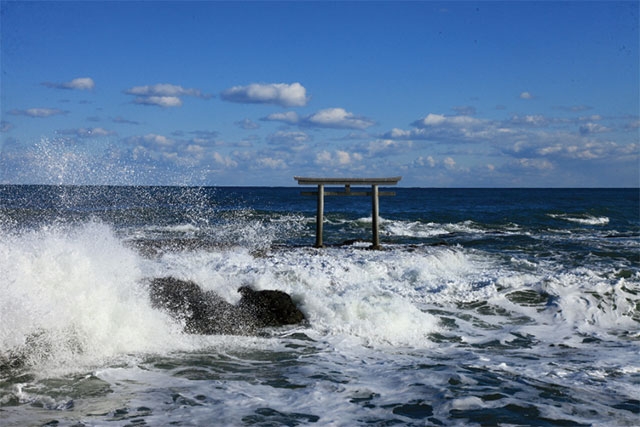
[(206, 313)]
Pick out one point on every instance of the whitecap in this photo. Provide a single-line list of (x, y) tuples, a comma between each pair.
[(584, 219)]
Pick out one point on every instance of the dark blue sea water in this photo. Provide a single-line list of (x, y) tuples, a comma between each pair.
[(484, 307)]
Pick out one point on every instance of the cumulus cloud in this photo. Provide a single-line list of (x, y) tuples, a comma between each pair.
[(337, 158), (163, 94), (224, 160), (436, 120), (425, 161), (164, 89), (81, 83), (534, 142), (384, 147), (282, 94), (336, 118), (449, 163), (526, 95), (441, 128), (161, 101), (38, 112)]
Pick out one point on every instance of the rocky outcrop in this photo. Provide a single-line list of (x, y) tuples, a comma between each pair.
[(205, 312)]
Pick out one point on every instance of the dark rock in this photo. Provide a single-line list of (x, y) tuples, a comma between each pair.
[(269, 308), (206, 313)]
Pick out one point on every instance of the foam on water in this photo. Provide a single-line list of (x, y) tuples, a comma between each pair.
[(77, 294), (421, 229), (584, 219), (73, 297)]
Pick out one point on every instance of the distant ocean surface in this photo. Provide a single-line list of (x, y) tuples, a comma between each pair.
[(485, 307)]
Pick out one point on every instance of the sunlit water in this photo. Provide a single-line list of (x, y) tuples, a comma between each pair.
[(485, 307)]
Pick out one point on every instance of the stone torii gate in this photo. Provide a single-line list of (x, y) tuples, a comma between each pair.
[(348, 182)]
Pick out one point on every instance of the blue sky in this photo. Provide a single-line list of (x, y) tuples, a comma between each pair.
[(446, 94)]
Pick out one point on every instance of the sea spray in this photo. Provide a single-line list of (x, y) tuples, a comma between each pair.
[(74, 296)]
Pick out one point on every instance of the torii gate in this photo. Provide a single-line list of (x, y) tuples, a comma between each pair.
[(348, 182)]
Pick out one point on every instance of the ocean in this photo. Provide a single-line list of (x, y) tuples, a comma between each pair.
[(484, 307)]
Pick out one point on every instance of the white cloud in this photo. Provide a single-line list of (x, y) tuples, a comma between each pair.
[(385, 147), (285, 95), (161, 101), (163, 89), (431, 120), (38, 112), (338, 158), (449, 162), (338, 118), (224, 160), (343, 157), (81, 83), (552, 149), (441, 128), (163, 94), (436, 120), (396, 133), (526, 95), (323, 158), (529, 120)]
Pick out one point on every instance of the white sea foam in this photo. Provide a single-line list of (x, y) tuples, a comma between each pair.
[(77, 294), (75, 300), (178, 228), (584, 219), (72, 297), (420, 229)]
